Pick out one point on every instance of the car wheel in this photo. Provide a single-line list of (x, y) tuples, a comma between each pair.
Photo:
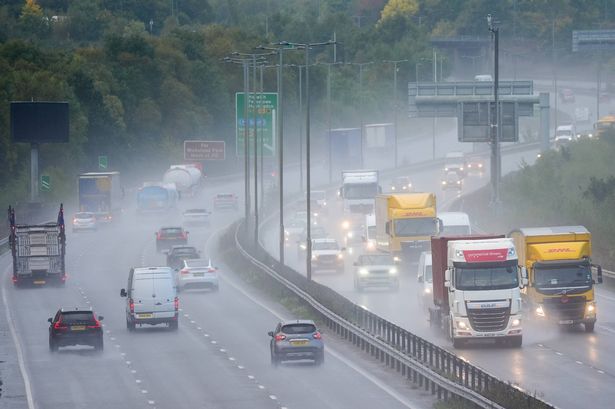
[(173, 325), (53, 346), (275, 361), (99, 345), (216, 288), (320, 358), (130, 325)]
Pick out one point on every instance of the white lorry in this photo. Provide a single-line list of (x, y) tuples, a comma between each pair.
[(476, 289), (185, 177), (359, 189)]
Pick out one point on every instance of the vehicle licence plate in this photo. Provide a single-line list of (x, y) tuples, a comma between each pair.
[(562, 322), (298, 343), (199, 274), (39, 281), (77, 328), (145, 315)]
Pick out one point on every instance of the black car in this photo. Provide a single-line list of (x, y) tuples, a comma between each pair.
[(177, 254), (169, 236), (75, 327)]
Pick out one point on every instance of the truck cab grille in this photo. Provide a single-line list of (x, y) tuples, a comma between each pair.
[(489, 319), (572, 309)]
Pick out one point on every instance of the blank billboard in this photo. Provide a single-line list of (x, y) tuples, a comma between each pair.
[(39, 122)]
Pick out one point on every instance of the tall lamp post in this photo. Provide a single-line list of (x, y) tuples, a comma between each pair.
[(306, 47), (395, 102), (330, 158), (361, 65), (495, 131)]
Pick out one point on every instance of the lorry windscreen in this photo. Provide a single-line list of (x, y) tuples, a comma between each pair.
[(563, 275), (423, 226), (486, 276), (360, 191), (456, 230)]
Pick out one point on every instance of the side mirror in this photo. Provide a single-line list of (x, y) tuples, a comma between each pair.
[(100, 318), (420, 279), (387, 228), (270, 333), (187, 232), (447, 275), (50, 320), (599, 274), (123, 293), (447, 284)]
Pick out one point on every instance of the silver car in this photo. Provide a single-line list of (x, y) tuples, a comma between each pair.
[(375, 270), (296, 340), (84, 221), (196, 216)]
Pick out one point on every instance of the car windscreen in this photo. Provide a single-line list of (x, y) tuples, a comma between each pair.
[(84, 216), (324, 245), (377, 259), (197, 263), (299, 329), (423, 226), (371, 231), (199, 211), (427, 275), (77, 316), (172, 231)]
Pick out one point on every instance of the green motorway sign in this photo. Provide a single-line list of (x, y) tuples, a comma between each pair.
[(262, 111), (103, 163), (45, 183)]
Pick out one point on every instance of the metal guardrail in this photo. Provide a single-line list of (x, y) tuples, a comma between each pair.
[(431, 367)]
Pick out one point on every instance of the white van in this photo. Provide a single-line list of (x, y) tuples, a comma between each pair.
[(369, 236), (424, 277), (151, 297), (483, 78), (455, 224)]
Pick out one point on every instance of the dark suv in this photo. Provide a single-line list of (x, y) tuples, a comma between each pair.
[(296, 340), (177, 254), (169, 236), (75, 327)]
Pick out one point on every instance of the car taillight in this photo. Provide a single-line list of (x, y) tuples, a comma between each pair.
[(176, 301), (131, 304), (184, 235), (280, 337), (212, 270), (158, 236), (59, 325), (317, 335), (96, 324), (184, 271)]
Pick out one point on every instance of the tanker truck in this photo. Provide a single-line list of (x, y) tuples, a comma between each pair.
[(186, 178)]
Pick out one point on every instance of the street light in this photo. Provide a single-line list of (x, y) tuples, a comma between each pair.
[(495, 138), (361, 65), (433, 123), (329, 64), (306, 47), (395, 102)]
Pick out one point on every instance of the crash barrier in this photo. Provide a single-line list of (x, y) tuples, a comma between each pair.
[(435, 369)]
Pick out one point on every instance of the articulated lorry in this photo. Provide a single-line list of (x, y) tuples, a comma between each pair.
[(405, 223), (38, 251), (359, 188), (476, 289), (561, 285), (101, 193)]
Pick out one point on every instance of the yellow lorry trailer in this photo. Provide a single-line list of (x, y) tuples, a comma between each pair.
[(561, 285), (405, 223)]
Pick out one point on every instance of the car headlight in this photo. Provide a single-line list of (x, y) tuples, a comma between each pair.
[(315, 214), (363, 272), (345, 225), (396, 259), (392, 187), (427, 290), (350, 234), (303, 246), (480, 165), (461, 168), (539, 311), (459, 182), (340, 256), (393, 271), (590, 135), (371, 244), (324, 203), (461, 325), (591, 309), (314, 257), (444, 182), (446, 169), (516, 322)]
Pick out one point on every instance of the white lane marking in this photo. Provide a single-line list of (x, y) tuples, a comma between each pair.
[(143, 391), (273, 397), (138, 380), (231, 358), (602, 327), (133, 371), (251, 377), (222, 350), (128, 363), (401, 399), (579, 362), (240, 367), (214, 342), (261, 387), (559, 353), (20, 355), (606, 297), (151, 402), (199, 328), (600, 371)]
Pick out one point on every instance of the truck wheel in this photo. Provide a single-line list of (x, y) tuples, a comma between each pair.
[(516, 342), (589, 326), (458, 343)]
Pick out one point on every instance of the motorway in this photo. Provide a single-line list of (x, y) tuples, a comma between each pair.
[(219, 358), (568, 368)]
